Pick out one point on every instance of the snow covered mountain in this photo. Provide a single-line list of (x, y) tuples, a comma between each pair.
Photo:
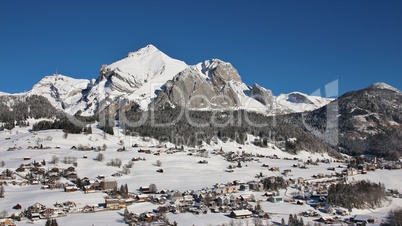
[(62, 92), (150, 78), (216, 84), (134, 78), (209, 85), (369, 121), (300, 102)]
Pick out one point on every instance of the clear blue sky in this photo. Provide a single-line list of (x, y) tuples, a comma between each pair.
[(282, 45)]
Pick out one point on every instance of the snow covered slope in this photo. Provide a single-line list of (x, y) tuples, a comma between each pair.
[(63, 92), (300, 102), (135, 78)]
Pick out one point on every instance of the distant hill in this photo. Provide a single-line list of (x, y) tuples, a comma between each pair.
[(369, 121)]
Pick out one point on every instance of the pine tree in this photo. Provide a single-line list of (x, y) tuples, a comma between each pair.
[(1, 191), (126, 214), (301, 223), (78, 183), (290, 220), (54, 222), (283, 222), (122, 191), (48, 222)]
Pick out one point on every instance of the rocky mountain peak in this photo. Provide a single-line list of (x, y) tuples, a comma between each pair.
[(264, 96), (221, 72), (382, 85)]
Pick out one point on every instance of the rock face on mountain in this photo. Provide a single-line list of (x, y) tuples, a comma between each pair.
[(209, 85), (369, 121), (264, 96), (217, 85)]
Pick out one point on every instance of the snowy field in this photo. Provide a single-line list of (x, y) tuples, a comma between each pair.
[(181, 172)]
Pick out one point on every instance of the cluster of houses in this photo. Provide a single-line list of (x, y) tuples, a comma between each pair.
[(231, 199), (39, 211), (354, 220)]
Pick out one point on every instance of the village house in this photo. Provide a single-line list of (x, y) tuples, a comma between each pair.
[(6, 222), (255, 186), (89, 189), (219, 190), (37, 207), (51, 212), (71, 176), (70, 188), (108, 185), (223, 200), (175, 195), (263, 215), (275, 199), (363, 219), (115, 204), (240, 214), (244, 187), (328, 209), (142, 198), (54, 171), (87, 209), (144, 189), (17, 207)]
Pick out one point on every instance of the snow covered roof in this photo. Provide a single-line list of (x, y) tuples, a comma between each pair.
[(241, 212)]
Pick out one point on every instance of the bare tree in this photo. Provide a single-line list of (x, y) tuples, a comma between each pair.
[(115, 162), (394, 217), (100, 157), (257, 222), (118, 162), (239, 223), (130, 164), (158, 163), (55, 159), (126, 170), (3, 214), (2, 164), (104, 147), (152, 188), (247, 222)]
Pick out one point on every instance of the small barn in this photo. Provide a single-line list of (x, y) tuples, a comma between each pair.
[(240, 214)]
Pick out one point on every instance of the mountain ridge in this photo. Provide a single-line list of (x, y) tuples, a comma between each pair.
[(139, 77), (363, 121), (369, 121)]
